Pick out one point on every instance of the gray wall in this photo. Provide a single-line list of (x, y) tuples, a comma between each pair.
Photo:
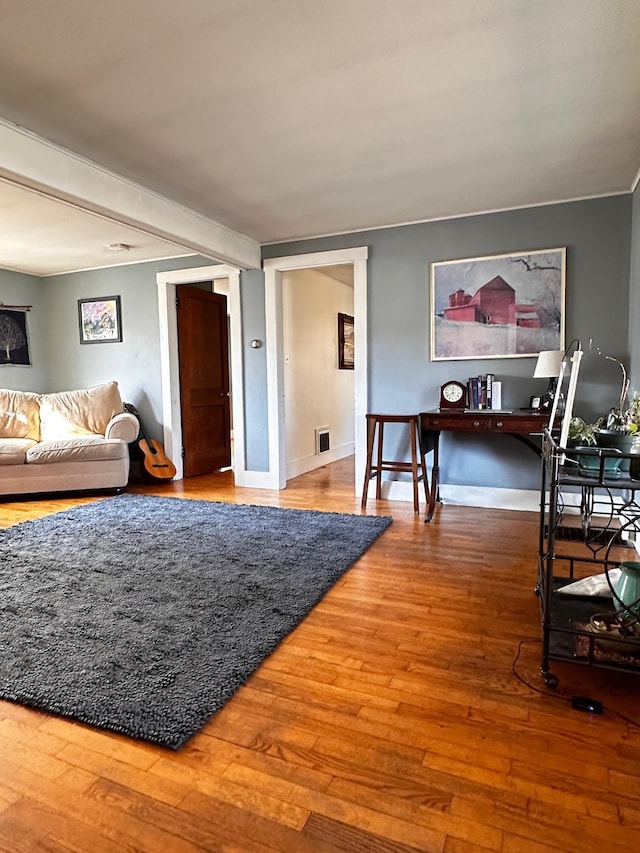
[(135, 362), (19, 289), (597, 234), (634, 302), (255, 371)]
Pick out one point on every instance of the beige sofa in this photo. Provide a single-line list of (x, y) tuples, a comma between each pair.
[(66, 441)]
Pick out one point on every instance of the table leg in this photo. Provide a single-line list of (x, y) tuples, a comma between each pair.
[(435, 477)]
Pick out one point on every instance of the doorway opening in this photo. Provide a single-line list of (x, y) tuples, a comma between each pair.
[(205, 387), (167, 283), (318, 385), (274, 269)]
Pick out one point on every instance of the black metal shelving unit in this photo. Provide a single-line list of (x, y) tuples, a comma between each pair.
[(589, 523)]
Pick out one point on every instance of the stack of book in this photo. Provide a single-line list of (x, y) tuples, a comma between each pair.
[(484, 392)]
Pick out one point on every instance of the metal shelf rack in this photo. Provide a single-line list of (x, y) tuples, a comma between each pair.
[(589, 524)]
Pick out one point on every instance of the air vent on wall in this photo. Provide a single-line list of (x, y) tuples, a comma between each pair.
[(322, 440)]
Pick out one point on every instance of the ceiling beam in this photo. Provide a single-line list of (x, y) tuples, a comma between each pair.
[(33, 162)]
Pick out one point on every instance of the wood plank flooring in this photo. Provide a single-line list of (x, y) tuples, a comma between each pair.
[(389, 721)]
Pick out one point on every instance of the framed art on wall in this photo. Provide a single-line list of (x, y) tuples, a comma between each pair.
[(100, 320), (346, 349), (14, 340), (499, 306)]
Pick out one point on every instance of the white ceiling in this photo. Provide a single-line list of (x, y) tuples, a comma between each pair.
[(339, 272), (42, 236), (283, 119)]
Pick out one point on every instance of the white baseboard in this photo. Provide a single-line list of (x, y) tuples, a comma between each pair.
[(309, 463), (254, 480), (480, 496), (266, 480), (527, 500)]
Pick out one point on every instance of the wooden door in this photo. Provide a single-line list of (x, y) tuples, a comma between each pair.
[(204, 380)]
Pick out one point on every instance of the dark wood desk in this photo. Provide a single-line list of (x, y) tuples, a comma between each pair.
[(521, 425)]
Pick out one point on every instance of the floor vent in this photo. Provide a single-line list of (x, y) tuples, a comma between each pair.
[(575, 534), (322, 440)]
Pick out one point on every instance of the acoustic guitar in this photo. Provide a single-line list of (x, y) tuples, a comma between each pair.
[(156, 462)]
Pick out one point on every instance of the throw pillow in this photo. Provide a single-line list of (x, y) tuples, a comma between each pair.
[(19, 415), (85, 412)]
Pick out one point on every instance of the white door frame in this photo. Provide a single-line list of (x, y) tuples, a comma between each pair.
[(170, 367), (273, 269)]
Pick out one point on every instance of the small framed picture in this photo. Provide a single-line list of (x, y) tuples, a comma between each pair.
[(100, 320), (535, 404), (346, 349)]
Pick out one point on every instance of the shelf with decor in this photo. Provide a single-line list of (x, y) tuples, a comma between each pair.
[(589, 558)]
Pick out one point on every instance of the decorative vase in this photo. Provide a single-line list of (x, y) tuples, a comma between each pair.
[(613, 439), (627, 589), (589, 463)]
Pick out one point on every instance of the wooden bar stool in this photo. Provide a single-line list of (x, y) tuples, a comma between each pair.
[(416, 467)]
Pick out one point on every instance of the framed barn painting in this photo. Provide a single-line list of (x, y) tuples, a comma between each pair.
[(499, 306), (100, 320)]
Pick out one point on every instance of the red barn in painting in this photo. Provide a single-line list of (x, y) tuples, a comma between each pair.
[(494, 304), (461, 309), (527, 315)]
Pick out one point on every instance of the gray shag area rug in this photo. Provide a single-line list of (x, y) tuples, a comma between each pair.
[(143, 615)]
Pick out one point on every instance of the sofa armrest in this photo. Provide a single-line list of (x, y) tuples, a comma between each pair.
[(124, 426)]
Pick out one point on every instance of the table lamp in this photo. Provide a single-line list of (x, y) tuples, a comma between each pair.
[(548, 366)]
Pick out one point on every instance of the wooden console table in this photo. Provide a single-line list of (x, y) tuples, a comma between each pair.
[(521, 425)]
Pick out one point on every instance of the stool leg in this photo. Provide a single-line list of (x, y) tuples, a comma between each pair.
[(414, 465), (371, 429), (379, 468), (423, 463)]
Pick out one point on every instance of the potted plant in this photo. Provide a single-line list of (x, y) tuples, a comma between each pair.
[(581, 434), (583, 437), (619, 429)]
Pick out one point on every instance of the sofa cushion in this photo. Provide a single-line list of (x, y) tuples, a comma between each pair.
[(85, 412), (19, 414), (90, 448), (13, 451)]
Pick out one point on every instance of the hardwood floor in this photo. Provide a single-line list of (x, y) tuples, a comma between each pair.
[(389, 720)]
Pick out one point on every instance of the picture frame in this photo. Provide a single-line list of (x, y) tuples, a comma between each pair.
[(100, 320), (535, 404), (346, 342), (14, 337), (498, 306)]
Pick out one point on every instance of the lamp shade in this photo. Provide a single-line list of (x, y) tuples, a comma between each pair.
[(548, 363)]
